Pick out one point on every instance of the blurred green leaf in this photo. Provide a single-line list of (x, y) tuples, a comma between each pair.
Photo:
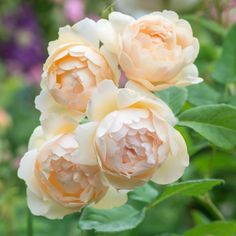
[(188, 188), (214, 163), (175, 97), (209, 24), (8, 90), (113, 220), (215, 122), (220, 228), (202, 94), (232, 100), (199, 218), (225, 70)]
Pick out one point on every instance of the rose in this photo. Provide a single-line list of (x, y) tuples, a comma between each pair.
[(156, 50), (74, 67), (135, 139), (62, 174)]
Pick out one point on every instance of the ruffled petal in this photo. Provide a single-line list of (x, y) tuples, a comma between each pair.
[(47, 208)]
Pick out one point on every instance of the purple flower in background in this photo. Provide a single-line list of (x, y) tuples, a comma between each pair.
[(22, 49), (74, 10)]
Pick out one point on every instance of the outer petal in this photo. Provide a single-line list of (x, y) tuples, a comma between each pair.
[(120, 21), (87, 29), (112, 198), (113, 63), (26, 170), (136, 94), (85, 135), (103, 100), (82, 32), (37, 138), (107, 35), (188, 76), (46, 104), (56, 124), (174, 165), (47, 208)]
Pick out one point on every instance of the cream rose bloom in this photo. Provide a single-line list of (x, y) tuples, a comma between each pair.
[(62, 174), (156, 50), (74, 68), (135, 139)]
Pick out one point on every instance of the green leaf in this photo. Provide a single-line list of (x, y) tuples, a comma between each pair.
[(219, 228), (113, 220), (215, 122), (225, 70), (188, 188), (202, 94), (145, 193), (175, 97)]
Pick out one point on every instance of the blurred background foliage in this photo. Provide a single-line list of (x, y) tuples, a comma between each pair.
[(26, 27)]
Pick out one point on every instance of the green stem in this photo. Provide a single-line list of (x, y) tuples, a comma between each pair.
[(210, 207), (30, 231)]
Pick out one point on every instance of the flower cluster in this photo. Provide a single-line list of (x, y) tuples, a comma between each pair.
[(97, 141)]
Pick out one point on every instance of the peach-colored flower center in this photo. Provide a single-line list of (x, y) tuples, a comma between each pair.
[(131, 149), (74, 72), (68, 183)]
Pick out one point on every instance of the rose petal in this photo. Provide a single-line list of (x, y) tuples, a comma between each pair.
[(174, 165), (103, 100), (85, 135), (113, 198), (87, 30)]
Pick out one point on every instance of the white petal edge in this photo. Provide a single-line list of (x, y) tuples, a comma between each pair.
[(107, 35), (47, 208), (188, 76), (112, 60), (85, 135), (37, 138), (173, 167), (113, 198), (103, 100), (120, 21), (26, 170), (87, 29)]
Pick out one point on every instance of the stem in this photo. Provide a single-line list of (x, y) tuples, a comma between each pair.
[(210, 207), (30, 231)]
